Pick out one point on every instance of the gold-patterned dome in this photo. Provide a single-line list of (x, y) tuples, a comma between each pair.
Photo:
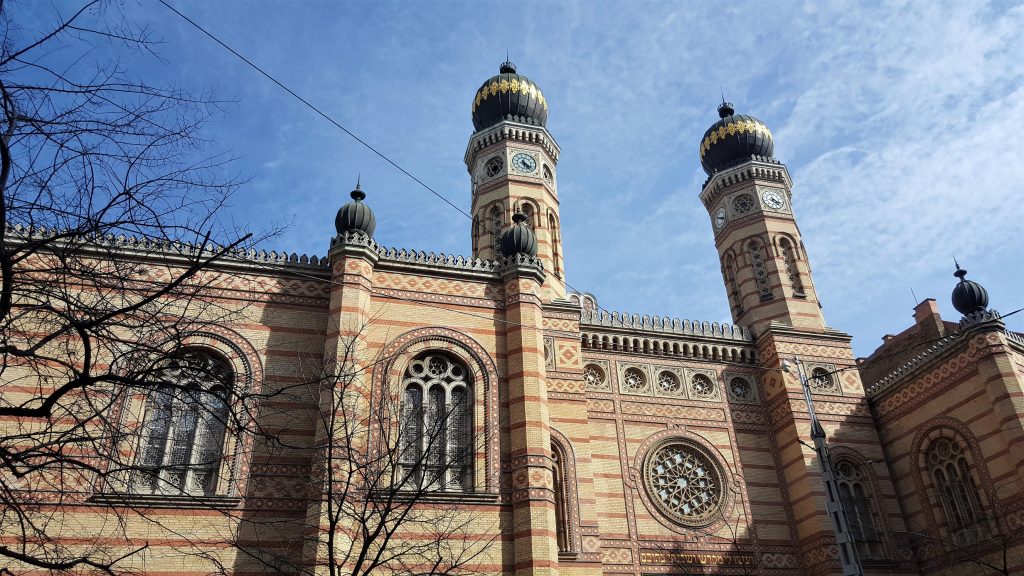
[(509, 96), (733, 139)]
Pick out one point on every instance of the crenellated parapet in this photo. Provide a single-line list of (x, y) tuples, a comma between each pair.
[(666, 324), (137, 245)]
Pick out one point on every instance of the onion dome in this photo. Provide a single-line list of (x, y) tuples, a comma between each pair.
[(509, 96), (356, 216), (519, 239), (734, 139), (968, 296)]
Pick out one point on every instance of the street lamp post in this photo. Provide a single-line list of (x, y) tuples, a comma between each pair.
[(848, 558)]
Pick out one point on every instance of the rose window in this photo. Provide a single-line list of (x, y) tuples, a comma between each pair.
[(740, 388), (685, 484), (669, 382), (634, 379), (743, 203), (702, 386), (593, 376)]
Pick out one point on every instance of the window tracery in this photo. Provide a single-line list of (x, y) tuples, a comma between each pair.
[(436, 426), (561, 502), (669, 382), (822, 381), (743, 203), (555, 245), (701, 386), (958, 496), (497, 222), (730, 282), (740, 388), (183, 430), (789, 257), (594, 377), (855, 497), (634, 380), (757, 262), (685, 483)]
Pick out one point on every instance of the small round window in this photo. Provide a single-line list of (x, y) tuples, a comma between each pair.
[(743, 203), (669, 383), (634, 380), (701, 386), (494, 166), (685, 483), (594, 376)]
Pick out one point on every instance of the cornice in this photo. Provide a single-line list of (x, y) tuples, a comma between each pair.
[(776, 329), (514, 131), (758, 169)]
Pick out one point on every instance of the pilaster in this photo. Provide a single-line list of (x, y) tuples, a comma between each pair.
[(533, 497), (344, 382)]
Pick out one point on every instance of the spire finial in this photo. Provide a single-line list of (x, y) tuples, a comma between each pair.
[(960, 272), (722, 90), (358, 195)]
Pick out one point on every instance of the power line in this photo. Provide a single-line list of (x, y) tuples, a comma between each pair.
[(338, 124)]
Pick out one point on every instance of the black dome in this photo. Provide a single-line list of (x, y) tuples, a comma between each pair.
[(519, 239), (355, 215), (509, 96), (733, 139), (968, 296)]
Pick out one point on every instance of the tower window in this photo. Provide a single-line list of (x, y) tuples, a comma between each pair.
[(743, 203), (183, 431), (493, 166), (436, 426), (496, 224), (757, 262), (548, 176), (555, 246), (789, 256)]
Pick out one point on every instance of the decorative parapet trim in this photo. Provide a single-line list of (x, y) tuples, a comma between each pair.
[(756, 167), (440, 260), (980, 317), (522, 264), (509, 130), (913, 365), (665, 325), (968, 324), (137, 246)]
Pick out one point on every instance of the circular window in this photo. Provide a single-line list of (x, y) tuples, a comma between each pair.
[(494, 166), (740, 388), (634, 380), (743, 203), (685, 483), (593, 376), (669, 382), (702, 386)]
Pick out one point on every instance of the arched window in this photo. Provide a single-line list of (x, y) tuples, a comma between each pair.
[(954, 487), (531, 216), (789, 256), (730, 283), (436, 427), (757, 262), (183, 431), (855, 496), (555, 245), (561, 507), (496, 224)]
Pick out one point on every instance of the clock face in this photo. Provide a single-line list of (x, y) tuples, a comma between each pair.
[(524, 163), (720, 218), (772, 198), (493, 166)]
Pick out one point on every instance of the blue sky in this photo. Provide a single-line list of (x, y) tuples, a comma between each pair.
[(900, 123)]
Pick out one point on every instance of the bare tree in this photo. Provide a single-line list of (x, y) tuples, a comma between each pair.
[(391, 470), (109, 238)]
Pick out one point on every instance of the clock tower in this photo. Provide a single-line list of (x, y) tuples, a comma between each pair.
[(748, 195), (511, 158)]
